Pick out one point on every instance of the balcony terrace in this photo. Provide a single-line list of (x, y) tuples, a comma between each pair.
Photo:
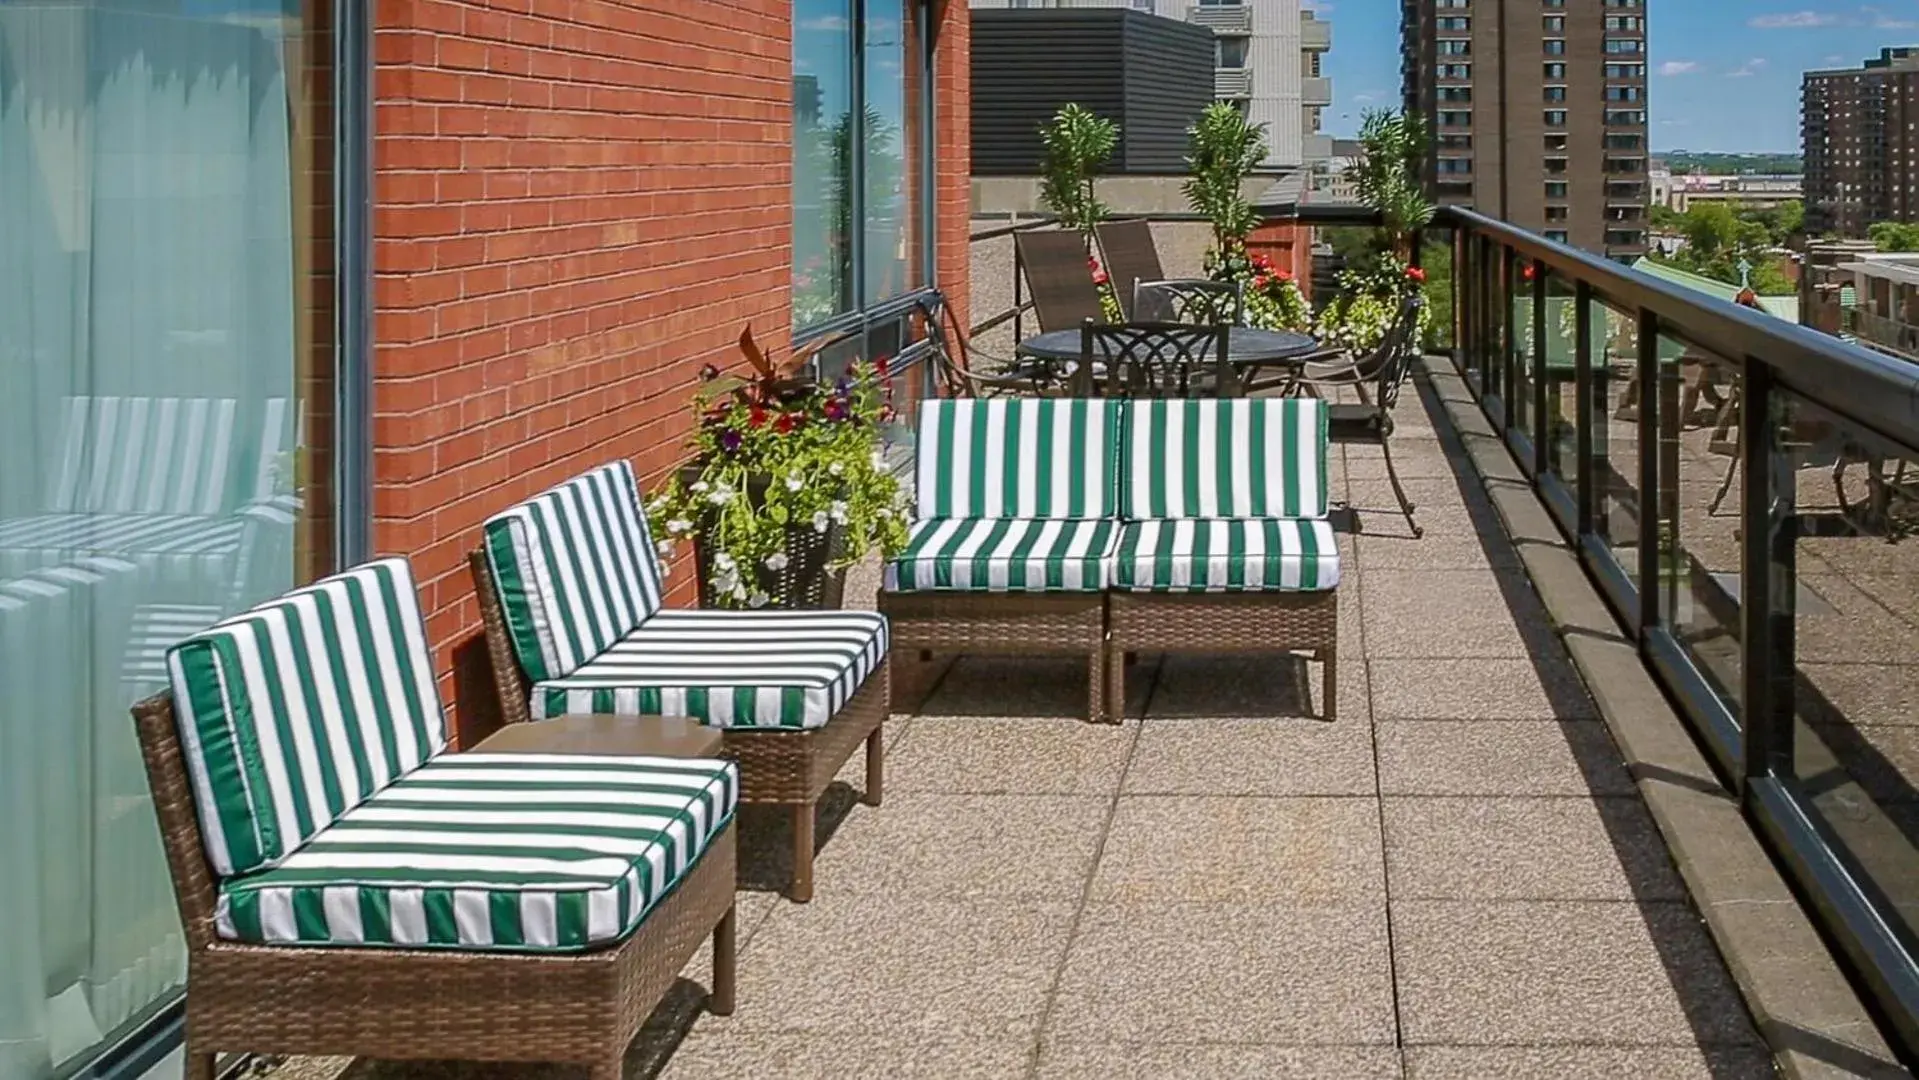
[(1506, 857)]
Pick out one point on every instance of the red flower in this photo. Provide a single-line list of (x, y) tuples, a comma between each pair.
[(1099, 277), (1415, 273), (1262, 262), (1526, 272), (1283, 275), (786, 423), (756, 417), (879, 366)]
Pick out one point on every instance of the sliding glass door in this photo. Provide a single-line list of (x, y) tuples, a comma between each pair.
[(166, 353)]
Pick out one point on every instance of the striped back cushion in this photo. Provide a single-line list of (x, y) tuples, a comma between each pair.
[(575, 569), (157, 455), (303, 708), (1233, 458), (1035, 458)]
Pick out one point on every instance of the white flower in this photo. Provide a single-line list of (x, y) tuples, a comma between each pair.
[(665, 548), (794, 483), (723, 561), (757, 599), (838, 511), (836, 468), (776, 561), (885, 513), (725, 582), (698, 486), (739, 591), (721, 495), (678, 526), (879, 459), (820, 521)]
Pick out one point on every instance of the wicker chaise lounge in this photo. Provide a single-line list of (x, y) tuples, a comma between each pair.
[(347, 887), (570, 594), (1016, 520), (1226, 546)]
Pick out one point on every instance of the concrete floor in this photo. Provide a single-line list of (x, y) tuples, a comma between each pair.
[(1455, 879)]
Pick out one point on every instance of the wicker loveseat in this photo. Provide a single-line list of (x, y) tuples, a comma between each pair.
[(570, 594), (348, 887), (1097, 528)]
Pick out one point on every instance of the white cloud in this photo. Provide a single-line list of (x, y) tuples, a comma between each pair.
[(1792, 20), (1363, 99), (1679, 67), (1748, 69)]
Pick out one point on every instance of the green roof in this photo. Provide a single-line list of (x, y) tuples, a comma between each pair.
[(1782, 307)]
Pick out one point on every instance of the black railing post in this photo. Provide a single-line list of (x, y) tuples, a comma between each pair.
[(1586, 408), (1508, 375), (1461, 310), (1769, 527), (1019, 293), (1651, 524), (1537, 361)]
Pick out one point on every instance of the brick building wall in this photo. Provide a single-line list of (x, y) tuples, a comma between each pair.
[(578, 205)]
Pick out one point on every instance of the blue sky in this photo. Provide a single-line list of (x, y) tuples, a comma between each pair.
[(1725, 73)]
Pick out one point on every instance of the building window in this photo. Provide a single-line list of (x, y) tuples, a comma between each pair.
[(1625, 93), (1455, 118), (1455, 71), (1554, 24), (1555, 118), (858, 161), (1455, 47), (1555, 93), (1453, 22), (1556, 143), (1557, 236), (1554, 70), (1555, 46), (169, 294), (1455, 166), (1624, 46), (1557, 213), (1455, 142), (1555, 189), (1455, 93), (1625, 23), (1232, 52)]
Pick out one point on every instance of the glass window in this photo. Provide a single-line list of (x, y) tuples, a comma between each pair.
[(166, 295), (857, 160), (823, 138), (1232, 52)]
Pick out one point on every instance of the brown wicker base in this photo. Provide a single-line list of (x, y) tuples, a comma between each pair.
[(783, 768), (793, 768), (582, 1008), (1224, 623), (1051, 624)]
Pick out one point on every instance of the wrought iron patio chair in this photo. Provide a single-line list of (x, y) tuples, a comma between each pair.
[(1194, 302), (1058, 277), (956, 362), (1371, 420), (1130, 256), (1155, 360)]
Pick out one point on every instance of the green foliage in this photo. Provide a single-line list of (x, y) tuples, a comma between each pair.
[(1077, 143), (1387, 175), (777, 454), (1437, 260), (1719, 237), (1224, 149), (1682, 163), (1894, 236)]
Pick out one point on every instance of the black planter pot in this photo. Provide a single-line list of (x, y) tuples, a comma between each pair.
[(804, 584)]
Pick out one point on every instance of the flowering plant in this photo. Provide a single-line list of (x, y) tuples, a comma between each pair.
[(780, 455), (1273, 297), (1368, 302), (1109, 308)]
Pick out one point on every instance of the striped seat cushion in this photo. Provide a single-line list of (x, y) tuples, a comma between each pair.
[(298, 710), (730, 669), (1004, 555), (575, 569), (159, 455), (521, 852), (1018, 458), (1237, 458), (1265, 555)]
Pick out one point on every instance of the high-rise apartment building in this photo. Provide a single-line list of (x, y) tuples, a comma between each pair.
[(1538, 113), (1267, 62), (1860, 131)]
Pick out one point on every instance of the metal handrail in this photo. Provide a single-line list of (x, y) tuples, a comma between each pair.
[(1877, 390)]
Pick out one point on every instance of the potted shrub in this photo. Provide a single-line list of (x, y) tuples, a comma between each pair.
[(1077, 143), (787, 486), (1387, 179), (1224, 149)]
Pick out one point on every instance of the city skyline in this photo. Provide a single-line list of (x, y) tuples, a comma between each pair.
[(1725, 74)]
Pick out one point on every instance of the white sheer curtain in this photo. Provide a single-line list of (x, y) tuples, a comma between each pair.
[(146, 251)]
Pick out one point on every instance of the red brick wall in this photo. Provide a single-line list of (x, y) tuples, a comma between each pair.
[(578, 203), (953, 152)]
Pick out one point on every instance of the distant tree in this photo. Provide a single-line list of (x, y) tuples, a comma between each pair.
[(1666, 219), (1894, 235)]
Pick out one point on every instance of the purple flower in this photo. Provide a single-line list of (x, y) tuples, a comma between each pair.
[(729, 440)]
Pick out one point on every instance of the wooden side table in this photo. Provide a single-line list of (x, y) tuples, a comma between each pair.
[(636, 736)]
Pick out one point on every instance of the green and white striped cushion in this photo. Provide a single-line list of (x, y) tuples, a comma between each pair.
[(1004, 556), (576, 569), (1018, 458), (1238, 458), (1267, 555), (730, 669), (295, 712), (520, 852)]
